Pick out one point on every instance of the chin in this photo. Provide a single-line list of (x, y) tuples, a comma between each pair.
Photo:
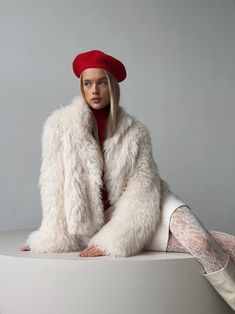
[(97, 106)]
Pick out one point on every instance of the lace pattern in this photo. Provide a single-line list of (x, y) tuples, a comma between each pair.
[(189, 235)]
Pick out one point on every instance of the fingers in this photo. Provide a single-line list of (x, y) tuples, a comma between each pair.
[(25, 248), (91, 251)]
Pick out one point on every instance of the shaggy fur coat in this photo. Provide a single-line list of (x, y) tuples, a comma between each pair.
[(70, 185)]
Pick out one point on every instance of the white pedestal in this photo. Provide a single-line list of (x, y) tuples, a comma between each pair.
[(150, 283)]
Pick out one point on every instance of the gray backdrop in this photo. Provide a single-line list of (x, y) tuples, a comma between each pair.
[(179, 56)]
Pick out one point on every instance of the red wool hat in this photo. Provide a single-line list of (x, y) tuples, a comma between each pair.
[(99, 59)]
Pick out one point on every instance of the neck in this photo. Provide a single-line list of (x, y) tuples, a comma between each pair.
[(103, 112)]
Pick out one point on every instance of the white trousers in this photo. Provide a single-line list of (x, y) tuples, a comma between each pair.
[(169, 203)]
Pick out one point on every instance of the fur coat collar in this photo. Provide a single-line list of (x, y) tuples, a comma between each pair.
[(70, 184)]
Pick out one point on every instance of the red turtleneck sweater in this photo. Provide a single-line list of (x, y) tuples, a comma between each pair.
[(101, 116)]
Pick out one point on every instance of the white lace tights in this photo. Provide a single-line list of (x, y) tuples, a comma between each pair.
[(210, 248)]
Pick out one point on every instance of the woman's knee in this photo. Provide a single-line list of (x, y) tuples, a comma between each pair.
[(178, 217), (185, 225)]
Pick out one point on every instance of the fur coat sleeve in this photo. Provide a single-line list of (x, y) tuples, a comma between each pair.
[(137, 211), (52, 235)]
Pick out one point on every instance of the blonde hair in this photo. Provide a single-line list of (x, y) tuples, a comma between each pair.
[(111, 125)]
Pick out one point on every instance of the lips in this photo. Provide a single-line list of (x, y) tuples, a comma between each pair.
[(96, 98)]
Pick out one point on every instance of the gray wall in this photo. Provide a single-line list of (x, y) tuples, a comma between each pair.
[(179, 57)]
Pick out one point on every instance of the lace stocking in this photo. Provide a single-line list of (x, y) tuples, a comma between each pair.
[(191, 236), (225, 240)]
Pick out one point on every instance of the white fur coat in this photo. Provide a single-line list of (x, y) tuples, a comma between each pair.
[(71, 180)]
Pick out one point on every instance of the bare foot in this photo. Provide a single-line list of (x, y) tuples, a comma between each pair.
[(25, 248)]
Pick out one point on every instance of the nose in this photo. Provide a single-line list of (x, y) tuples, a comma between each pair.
[(95, 89)]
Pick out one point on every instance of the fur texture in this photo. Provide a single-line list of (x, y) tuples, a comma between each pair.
[(71, 179)]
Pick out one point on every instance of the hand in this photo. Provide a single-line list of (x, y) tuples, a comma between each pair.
[(91, 251), (25, 248)]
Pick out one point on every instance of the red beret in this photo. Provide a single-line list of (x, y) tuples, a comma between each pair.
[(99, 59)]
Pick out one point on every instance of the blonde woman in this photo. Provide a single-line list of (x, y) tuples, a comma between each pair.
[(101, 190)]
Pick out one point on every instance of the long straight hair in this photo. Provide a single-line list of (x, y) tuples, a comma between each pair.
[(111, 125)]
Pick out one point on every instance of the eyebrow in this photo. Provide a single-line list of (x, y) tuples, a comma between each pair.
[(98, 79)]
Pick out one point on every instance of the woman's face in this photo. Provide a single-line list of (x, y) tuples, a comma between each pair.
[(95, 85)]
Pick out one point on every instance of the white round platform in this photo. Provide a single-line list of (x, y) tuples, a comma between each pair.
[(150, 283)]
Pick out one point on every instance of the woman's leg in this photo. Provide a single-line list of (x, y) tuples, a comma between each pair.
[(225, 240), (195, 239), (174, 245)]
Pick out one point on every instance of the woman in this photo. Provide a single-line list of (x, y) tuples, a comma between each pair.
[(99, 182)]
